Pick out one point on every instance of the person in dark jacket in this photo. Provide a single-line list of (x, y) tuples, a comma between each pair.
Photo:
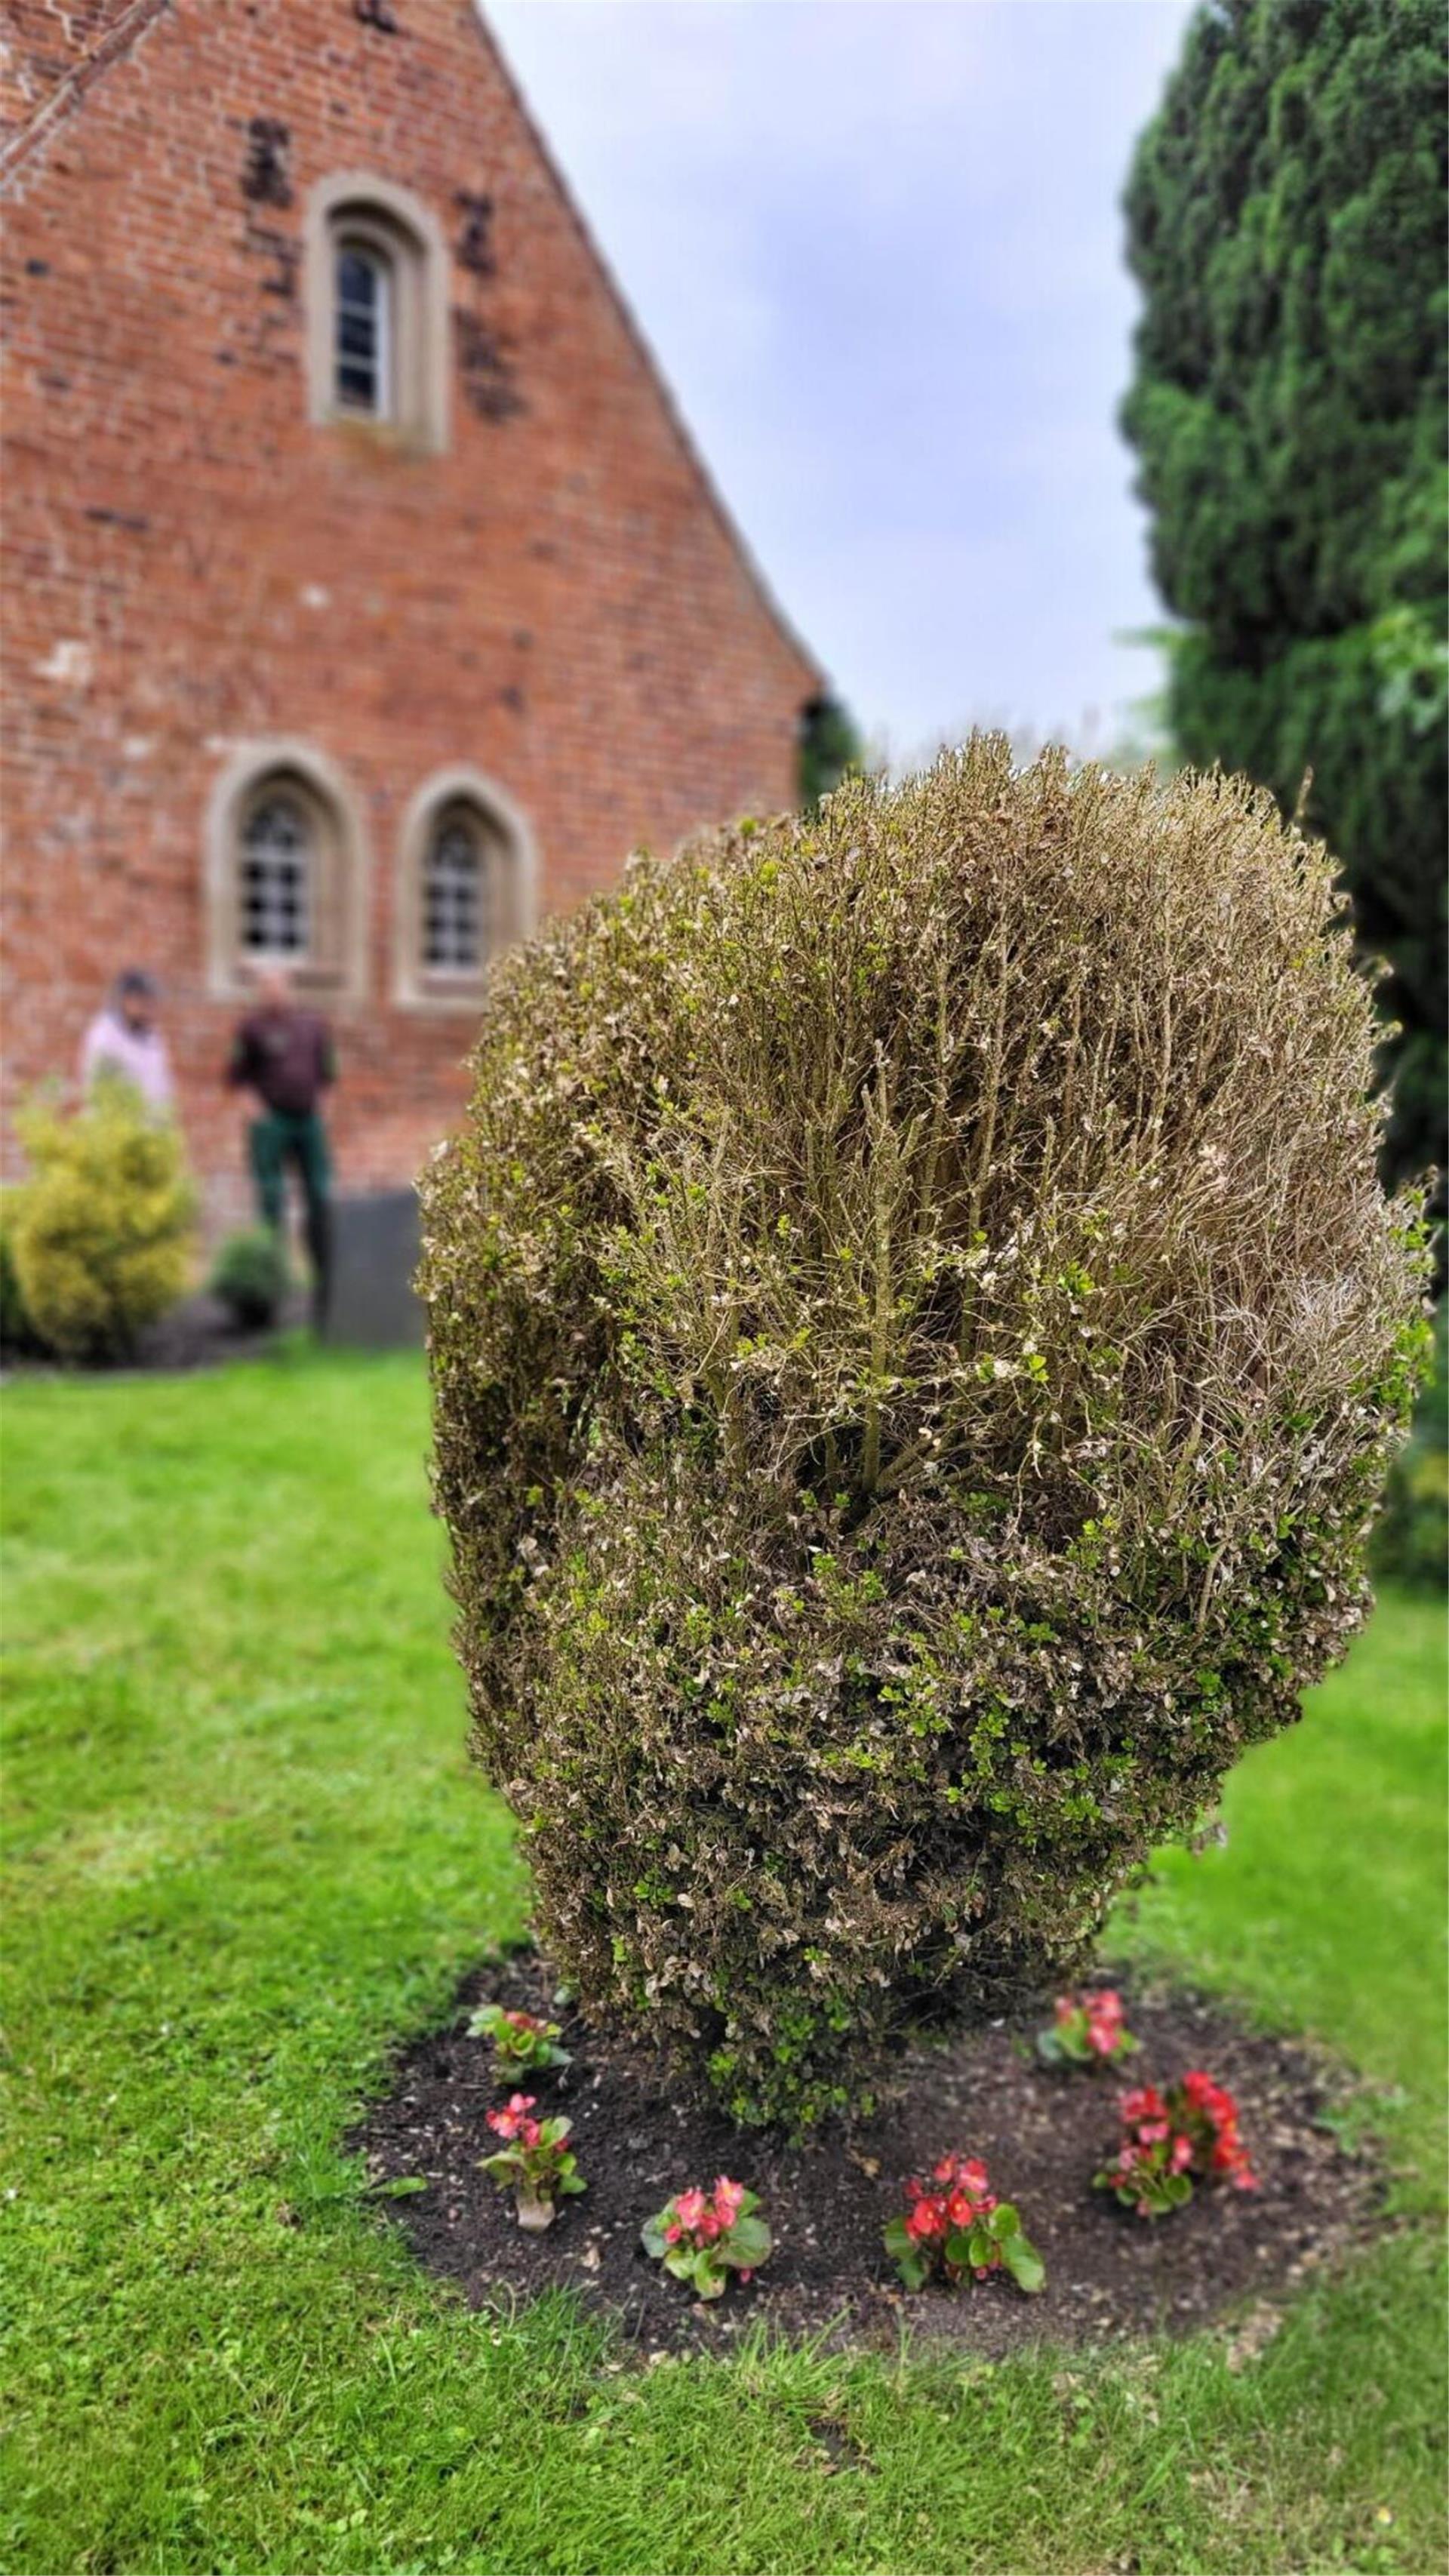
[(283, 1055)]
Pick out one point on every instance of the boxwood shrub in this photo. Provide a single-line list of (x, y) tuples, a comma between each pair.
[(251, 1278), (916, 1338)]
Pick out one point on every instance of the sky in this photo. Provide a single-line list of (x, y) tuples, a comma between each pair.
[(876, 246)]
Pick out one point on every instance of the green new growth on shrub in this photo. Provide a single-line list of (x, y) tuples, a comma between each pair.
[(916, 1339), (250, 1277), (101, 1229)]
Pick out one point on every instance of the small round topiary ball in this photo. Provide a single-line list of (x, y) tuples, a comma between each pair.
[(916, 1336)]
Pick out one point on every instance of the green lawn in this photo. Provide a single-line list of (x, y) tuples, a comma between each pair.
[(245, 1853)]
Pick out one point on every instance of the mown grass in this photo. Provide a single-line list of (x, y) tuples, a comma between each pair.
[(245, 1853)]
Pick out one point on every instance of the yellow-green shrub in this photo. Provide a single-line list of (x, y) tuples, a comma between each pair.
[(917, 1335), (101, 1230), (17, 1328)]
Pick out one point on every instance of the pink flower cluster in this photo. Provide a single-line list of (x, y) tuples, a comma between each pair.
[(1147, 2124), (1089, 2030), (701, 2218), (700, 2237), (535, 2163), (1169, 2140), (513, 2122), (955, 2224), (1208, 2114), (1104, 2017), (958, 2194)]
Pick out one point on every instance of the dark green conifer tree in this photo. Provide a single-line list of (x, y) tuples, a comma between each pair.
[(829, 748), (1286, 217)]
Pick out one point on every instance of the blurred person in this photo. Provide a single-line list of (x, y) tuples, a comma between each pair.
[(284, 1056), (124, 1042)]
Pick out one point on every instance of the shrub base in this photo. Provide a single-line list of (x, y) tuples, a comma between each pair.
[(1108, 2274)]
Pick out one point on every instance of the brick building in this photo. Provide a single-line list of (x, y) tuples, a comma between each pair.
[(364, 594)]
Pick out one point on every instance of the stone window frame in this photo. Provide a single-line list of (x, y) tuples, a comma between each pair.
[(335, 967), (395, 227), (513, 893)]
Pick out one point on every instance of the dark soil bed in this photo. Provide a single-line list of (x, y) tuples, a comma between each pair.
[(1042, 2135), (198, 1332)]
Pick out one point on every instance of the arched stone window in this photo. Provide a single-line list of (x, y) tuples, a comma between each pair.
[(465, 889), (376, 289), (285, 873)]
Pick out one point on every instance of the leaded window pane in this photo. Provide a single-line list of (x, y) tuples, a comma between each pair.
[(363, 296), (276, 879), (357, 281), (455, 900)]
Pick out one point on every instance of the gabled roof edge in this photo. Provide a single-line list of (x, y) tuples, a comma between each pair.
[(116, 40), (652, 366)]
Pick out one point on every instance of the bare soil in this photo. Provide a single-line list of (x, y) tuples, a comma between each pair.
[(1043, 2134)]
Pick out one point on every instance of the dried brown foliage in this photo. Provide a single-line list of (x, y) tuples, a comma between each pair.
[(916, 1336)]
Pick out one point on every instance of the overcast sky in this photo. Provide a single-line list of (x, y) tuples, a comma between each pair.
[(876, 245)]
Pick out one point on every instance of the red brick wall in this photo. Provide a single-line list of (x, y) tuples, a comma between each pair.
[(555, 601), (42, 40)]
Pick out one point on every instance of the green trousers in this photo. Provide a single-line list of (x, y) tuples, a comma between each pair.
[(275, 1141)]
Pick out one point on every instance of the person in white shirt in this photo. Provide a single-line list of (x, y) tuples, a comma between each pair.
[(123, 1039)]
